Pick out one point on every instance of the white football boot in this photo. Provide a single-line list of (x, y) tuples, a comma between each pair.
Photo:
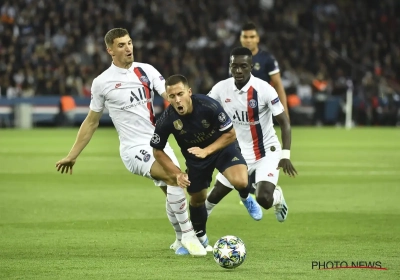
[(281, 209), (193, 245)]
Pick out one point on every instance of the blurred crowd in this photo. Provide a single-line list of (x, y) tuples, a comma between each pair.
[(56, 47)]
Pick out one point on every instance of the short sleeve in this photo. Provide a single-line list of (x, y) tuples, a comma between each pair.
[(158, 81), (273, 101), (221, 119), (272, 66), (215, 93), (161, 132), (97, 97)]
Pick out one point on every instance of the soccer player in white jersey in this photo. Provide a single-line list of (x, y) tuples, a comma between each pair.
[(127, 90), (251, 103)]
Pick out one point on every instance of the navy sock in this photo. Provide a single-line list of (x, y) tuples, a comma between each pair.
[(198, 215), (251, 189), (252, 179), (244, 193)]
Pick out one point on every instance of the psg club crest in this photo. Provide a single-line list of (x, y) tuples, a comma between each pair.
[(146, 157), (144, 79), (205, 124), (253, 103), (178, 124)]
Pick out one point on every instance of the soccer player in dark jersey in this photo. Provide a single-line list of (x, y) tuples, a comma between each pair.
[(207, 139), (265, 66)]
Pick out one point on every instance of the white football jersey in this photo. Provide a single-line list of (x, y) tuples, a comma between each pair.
[(128, 95), (251, 109)]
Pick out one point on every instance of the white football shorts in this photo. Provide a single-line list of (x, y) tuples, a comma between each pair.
[(139, 160), (264, 168)]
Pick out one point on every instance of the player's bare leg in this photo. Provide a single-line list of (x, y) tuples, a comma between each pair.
[(176, 208), (268, 195), (216, 195), (251, 186)]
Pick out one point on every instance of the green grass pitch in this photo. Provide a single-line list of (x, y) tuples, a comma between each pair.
[(105, 223)]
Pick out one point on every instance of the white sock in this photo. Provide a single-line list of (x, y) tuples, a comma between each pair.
[(209, 207), (203, 238), (174, 222), (277, 196), (177, 201)]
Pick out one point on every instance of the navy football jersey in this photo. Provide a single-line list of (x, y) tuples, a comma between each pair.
[(264, 65), (207, 122)]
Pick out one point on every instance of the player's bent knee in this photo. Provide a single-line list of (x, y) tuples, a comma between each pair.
[(239, 183), (265, 194), (265, 200), (198, 199)]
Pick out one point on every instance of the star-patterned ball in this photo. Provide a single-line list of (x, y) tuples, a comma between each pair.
[(229, 252)]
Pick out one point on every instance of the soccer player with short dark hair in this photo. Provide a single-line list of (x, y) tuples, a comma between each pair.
[(265, 67), (251, 103), (205, 134), (127, 90)]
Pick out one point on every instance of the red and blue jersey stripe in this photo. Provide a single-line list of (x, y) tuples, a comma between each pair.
[(146, 83), (255, 126)]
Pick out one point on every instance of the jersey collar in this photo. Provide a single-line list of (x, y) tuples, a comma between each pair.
[(122, 70), (246, 87)]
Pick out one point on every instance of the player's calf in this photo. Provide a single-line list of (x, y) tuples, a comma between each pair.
[(218, 192), (198, 213), (265, 194), (268, 195), (216, 195), (221, 188)]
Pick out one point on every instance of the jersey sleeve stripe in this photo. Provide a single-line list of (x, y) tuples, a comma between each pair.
[(274, 72), (146, 83), (226, 127), (255, 126)]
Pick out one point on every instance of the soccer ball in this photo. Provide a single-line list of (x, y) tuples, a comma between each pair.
[(229, 252)]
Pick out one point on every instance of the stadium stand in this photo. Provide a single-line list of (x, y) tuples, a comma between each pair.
[(54, 48)]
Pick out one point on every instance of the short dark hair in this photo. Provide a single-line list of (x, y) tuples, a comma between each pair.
[(113, 34), (241, 51), (249, 26), (176, 79)]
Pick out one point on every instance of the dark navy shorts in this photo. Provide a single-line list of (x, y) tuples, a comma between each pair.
[(201, 172)]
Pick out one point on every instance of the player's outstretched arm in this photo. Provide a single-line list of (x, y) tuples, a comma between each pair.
[(286, 135), (85, 133), (224, 140), (169, 166)]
